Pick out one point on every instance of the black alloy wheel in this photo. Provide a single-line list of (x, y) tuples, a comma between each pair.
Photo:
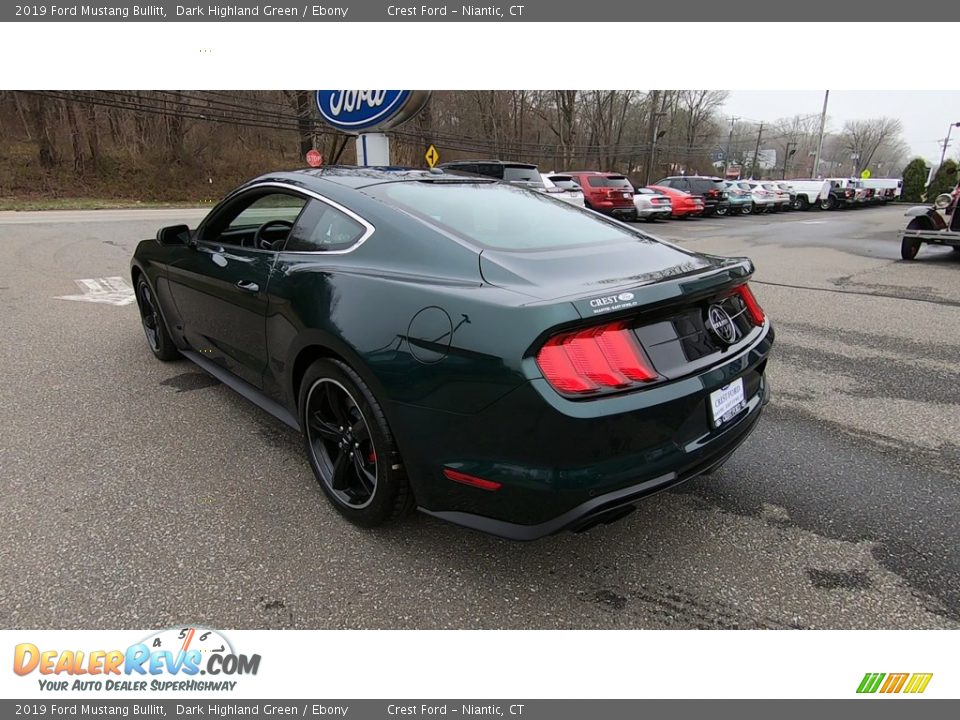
[(155, 330), (350, 447)]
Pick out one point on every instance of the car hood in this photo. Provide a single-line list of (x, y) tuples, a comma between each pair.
[(594, 271)]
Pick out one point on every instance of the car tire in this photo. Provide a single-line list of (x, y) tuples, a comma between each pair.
[(154, 326), (909, 248), (747, 209), (801, 203), (828, 203), (722, 211), (350, 447)]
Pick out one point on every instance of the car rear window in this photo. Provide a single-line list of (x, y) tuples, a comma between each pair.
[(517, 173), (502, 217), (564, 181), (701, 184), (610, 181)]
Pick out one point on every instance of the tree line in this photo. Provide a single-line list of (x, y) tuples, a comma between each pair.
[(185, 144)]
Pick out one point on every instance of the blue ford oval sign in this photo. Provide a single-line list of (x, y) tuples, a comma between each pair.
[(369, 110)]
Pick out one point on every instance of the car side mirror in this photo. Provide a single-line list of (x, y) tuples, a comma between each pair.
[(174, 235)]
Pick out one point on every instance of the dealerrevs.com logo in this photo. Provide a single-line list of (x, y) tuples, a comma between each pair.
[(171, 659)]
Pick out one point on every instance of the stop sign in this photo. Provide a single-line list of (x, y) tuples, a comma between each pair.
[(314, 158)]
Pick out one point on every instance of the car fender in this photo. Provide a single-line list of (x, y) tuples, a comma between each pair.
[(936, 221), (317, 341)]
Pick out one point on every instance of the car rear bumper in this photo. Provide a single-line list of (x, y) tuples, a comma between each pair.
[(617, 504), (565, 464), (665, 211)]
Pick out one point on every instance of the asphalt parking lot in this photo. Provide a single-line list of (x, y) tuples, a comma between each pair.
[(138, 494)]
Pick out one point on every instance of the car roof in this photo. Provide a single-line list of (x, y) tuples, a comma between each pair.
[(506, 163), (317, 179)]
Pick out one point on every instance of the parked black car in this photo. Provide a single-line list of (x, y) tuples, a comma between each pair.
[(490, 355), (713, 190), (517, 173)]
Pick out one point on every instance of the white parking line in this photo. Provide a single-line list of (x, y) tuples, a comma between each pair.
[(109, 290)]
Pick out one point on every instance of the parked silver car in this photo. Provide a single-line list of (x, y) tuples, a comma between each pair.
[(652, 205)]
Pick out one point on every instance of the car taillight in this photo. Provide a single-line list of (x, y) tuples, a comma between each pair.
[(753, 307), (847, 193), (599, 358)]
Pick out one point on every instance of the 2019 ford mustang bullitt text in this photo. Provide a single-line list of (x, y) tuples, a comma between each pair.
[(493, 356)]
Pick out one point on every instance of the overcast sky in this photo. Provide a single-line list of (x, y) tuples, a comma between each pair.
[(925, 115)]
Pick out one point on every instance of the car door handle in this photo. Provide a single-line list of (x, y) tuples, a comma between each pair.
[(250, 287)]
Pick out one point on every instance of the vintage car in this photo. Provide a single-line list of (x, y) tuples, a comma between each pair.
[(937, 225)]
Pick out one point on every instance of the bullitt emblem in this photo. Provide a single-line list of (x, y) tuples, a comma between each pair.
[(721, 324)]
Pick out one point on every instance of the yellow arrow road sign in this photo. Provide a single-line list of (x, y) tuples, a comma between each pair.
[(432, 156)]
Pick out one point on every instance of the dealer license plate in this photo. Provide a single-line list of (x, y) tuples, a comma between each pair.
[(727, 402)]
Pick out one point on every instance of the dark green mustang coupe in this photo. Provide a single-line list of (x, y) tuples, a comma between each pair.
[(488, 354)]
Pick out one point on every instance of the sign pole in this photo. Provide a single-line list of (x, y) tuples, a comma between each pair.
[(373, 149)]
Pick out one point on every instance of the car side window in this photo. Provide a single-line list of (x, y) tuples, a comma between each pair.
[(272, 213), (323, 228)]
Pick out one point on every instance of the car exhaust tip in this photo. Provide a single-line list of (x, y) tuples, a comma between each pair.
[(603, 518)]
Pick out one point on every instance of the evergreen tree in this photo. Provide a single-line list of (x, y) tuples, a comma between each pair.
[(914, 176), (944, 181)]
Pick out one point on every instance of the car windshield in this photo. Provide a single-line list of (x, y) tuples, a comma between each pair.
[(501, 216), (611, 181)]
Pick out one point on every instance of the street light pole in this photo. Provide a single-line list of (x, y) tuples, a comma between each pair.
[(786, 158), (823, 123), (943, 153)]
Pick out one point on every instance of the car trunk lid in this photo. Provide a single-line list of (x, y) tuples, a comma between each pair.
[(607, 278)]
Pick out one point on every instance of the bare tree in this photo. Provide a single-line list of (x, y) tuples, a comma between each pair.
[(863, 138)]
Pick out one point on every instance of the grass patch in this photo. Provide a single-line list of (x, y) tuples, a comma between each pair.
[(86, 203)]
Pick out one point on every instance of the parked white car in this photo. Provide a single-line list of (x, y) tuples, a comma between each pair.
[(781, 195), (886, 189), (652, 205), (563, 187), (808, 193), (763, 200)]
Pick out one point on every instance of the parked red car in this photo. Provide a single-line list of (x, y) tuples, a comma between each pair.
[(684, 204), (608, 193)]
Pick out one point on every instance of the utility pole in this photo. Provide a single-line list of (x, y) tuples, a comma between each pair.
[(756, 153), (651, 134), (823, 125), (656, 136), (946, 142), (726, 157)]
